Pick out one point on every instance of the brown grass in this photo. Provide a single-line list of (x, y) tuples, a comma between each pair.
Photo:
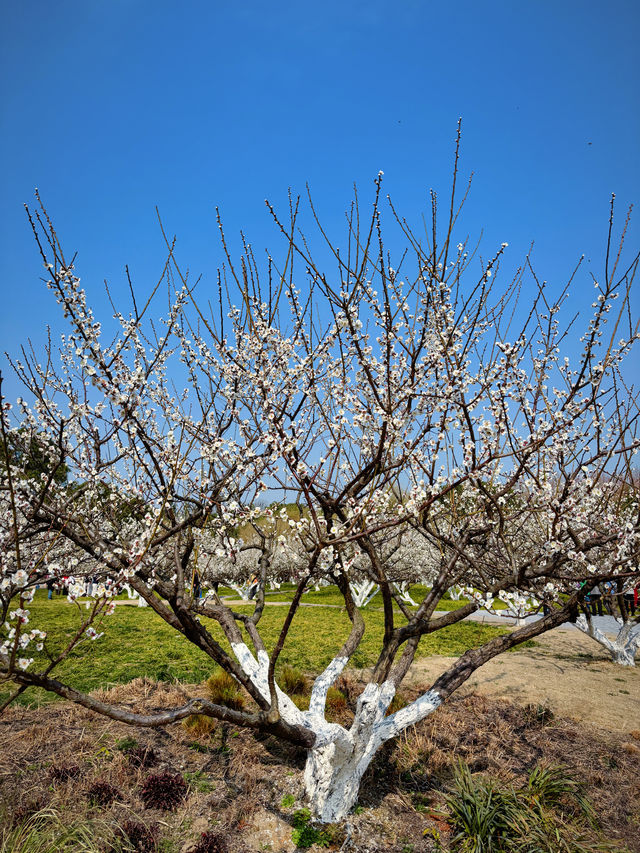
[(249, 775)]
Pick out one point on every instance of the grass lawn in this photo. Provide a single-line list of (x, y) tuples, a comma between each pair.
[(137, 642)]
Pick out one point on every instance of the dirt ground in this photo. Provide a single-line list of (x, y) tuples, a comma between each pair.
[(244, 789), (565, 671)]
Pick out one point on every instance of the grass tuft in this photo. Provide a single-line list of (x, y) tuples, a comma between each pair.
[(48, 831), (292, 680), (223, 689), (548, 815)]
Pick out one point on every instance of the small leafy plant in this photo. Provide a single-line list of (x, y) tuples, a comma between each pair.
[(199, 782), (304, 834), (126, 744)]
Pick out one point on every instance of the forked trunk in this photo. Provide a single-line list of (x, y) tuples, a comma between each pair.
[(339, 757), (623, 648), (335, 767)]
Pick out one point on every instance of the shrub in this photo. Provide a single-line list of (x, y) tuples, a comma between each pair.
[(102, 794), (163, 791), (142, 838), (211, 842)]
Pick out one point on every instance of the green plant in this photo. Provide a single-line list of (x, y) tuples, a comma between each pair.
[(535, 818), (48, 831), (287, 801), (199, 747), (304, 834), (553, 787), (198, 781), (124, 744), (432, 833)]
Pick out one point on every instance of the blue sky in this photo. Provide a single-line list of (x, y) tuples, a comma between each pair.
[(111, 108)]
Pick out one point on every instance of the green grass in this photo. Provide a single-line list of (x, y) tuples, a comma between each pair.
[(549, 814), (138, 643), (330, 596)]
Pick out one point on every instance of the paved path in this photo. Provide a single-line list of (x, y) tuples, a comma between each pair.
[(607, 624)]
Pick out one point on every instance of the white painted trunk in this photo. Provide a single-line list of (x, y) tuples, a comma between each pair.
[(623, 648), (403, 591), (363, 592), (338, 759), (332, 779), (243, 591)]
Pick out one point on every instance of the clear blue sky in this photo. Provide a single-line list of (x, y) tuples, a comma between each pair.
[(111, 108)]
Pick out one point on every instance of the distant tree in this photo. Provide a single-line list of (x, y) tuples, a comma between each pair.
[(35, 455), (414, 399)]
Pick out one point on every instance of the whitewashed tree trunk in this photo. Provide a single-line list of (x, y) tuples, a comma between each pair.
[(623, 648), (403, 591), (243, 591), (339, 757), (132, 594), (363, 592)]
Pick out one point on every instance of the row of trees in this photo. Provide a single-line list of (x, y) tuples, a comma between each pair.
[(415, 412)]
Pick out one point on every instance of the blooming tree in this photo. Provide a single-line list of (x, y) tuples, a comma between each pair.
[(411, 406)]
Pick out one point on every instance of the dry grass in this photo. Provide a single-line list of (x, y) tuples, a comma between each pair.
[(248, 777)]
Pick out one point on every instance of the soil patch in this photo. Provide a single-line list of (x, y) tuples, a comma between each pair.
[(565, 671)]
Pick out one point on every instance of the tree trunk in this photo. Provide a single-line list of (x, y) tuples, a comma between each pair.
[(337, 762), (332, 777), (623, 648)]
